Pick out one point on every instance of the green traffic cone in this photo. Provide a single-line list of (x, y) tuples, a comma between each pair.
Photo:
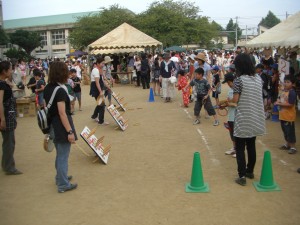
[(197, 184), (266, 182)]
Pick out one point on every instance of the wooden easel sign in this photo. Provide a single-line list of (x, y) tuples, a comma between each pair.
[(119, 100), (122, 123), (95, 144)]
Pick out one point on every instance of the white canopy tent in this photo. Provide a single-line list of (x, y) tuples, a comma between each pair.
[(117, 50), (124, 37), (284, 35)]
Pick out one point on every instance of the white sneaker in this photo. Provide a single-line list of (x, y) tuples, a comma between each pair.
[(230, 152), (197, 121), (234, 155), (216, 123)]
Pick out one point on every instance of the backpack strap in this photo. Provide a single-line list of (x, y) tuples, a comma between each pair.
[(52, 97)]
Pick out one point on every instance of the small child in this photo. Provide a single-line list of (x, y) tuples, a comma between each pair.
[(156, 74), (287, 114), (203, 89), (216, 84), (182, 82), (77, 89), (228, 78), (40, 85)]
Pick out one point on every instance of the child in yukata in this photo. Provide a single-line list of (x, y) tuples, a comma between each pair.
[(182, 82)]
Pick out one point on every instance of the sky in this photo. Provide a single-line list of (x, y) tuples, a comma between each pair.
[(249, 13)]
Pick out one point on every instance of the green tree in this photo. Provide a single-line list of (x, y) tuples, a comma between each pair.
[(27, 40), (269, 21), (231, 35), (176, 23), (89, 28), (16, 54), (3, 37)]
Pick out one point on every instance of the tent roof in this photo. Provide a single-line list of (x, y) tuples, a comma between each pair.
[(117, 50), (124, 36), (285, 34)]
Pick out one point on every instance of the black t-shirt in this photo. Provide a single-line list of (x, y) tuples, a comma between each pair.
[(7, 90), (216, 79), (267, 81), (77, 87), (32, 81), (61, 96)]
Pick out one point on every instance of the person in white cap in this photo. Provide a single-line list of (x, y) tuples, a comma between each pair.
[(107, 68)]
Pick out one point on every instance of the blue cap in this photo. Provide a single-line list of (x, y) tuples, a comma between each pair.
[(215, 68)]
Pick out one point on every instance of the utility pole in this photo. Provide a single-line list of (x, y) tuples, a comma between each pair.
[(236, 25), (246, 34), (286, 15)]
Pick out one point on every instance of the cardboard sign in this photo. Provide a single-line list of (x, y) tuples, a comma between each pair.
[(117, 116), (284, 66), (119, 101), (95, 144)]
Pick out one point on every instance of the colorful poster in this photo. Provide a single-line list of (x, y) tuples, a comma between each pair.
[(119, 101), (95, 144), (117, 116)]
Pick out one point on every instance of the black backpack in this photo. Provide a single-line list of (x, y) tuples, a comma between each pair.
[(42, 114)]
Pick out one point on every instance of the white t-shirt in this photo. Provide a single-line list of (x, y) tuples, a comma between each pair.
[(175, 59), (95, 73), (78, 71)]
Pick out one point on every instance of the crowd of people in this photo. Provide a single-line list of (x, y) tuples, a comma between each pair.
[(255, 88)]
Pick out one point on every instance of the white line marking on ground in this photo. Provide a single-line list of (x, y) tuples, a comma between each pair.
[(211, 154), (283, 162), (188, 114), (273, 153)]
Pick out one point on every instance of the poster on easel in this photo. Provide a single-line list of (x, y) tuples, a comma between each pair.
[(117, 116), (119, 101), (95, 144)]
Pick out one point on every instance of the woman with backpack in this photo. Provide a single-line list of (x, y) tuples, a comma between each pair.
[(62, 127)]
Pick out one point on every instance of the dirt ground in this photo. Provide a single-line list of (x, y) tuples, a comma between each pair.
[(149, 165)]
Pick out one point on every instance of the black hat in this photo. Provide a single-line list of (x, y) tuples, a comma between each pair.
[(228, 77)]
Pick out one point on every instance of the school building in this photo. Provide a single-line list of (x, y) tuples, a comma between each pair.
[(54, 31)]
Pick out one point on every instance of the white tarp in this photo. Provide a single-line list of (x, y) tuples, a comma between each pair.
[(117, 50), (125, 36), (285, 34)]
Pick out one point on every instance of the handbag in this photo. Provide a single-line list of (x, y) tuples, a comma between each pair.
[(48, 143), (172, 79)]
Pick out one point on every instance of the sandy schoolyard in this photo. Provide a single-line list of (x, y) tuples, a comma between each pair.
[(148, 167)]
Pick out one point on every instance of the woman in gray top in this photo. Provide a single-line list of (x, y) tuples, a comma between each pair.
[(249, 120)]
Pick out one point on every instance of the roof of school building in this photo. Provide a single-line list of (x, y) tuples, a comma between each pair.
[(44, 20)]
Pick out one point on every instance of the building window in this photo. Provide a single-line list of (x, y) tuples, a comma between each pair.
[(44, 38), (58, 37), (41, 51), (59, 51)]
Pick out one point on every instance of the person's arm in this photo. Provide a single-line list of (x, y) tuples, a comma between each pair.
[(236, 97), (64, 119), (2, 116), (237, 90)]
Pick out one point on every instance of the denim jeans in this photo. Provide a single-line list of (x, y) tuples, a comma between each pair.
[(61, 165), (8, 149)]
